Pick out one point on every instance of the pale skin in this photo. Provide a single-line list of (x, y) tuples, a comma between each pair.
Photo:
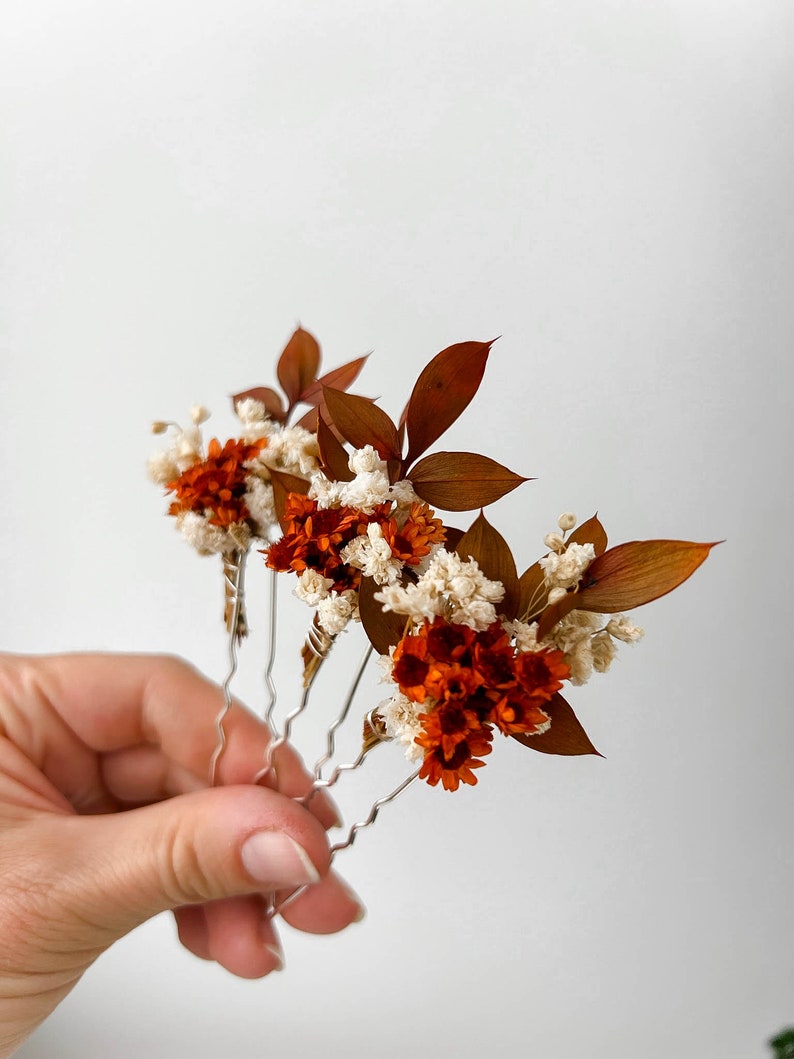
[(106, 819)]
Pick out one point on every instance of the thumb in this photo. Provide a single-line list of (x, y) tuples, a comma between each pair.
[(115, 871)]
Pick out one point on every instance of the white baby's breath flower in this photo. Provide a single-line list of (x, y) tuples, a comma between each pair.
[(478, 614), (622, 629), (564, 570), (372, 554), (566, 521), (525, 635), (402, 493), (260, 503), (162, 468), (336, 610), (365, 461), (580, 661), (416, 601), (206, 539), (188, 448), (604, 650), (554, 542), (556, 594), (400, 717), (324, 491), (250, 411), (298, 451), (199, 414), (312, 587), (365, 491)]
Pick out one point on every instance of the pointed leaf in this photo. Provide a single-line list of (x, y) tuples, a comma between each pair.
[(308, 421), (460, 481), (283, 485), (637, 572), (590, 532), (361, 422), (532, 592), (492, 554), (339, 379), (565, 736), (442, 391), (556, 612), (298, 364), (384, 629), (452, 536), (274, 406), (332, 454)]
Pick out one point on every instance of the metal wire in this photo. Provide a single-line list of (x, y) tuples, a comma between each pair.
[(351, 837), (235, 583), (270, 686)]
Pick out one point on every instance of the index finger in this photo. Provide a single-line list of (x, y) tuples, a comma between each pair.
[(116, 702)]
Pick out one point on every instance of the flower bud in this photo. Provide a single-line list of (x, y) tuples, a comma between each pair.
[(566, 521), (159, 427), (199, 414)]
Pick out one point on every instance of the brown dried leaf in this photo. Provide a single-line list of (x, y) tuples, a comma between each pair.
[(590, 532), (267, 396), (298, 365), (556, 612), (442, 391), (332, 454), (492, 554), (339, 378), (384, 629), (461, 481), (565, 736), (309, 421), (361, 422), (635, 573), (283, 485)]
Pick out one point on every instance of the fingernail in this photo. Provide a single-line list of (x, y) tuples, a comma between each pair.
[(273, 857), (355, 899)]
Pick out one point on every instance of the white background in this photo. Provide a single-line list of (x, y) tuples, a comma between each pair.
[(607, 185)]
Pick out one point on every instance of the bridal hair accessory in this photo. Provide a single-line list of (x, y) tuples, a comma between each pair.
[(344, 502)]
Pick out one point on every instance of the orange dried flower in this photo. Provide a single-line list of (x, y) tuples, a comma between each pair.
[(412, 542), (458, 768), (216, 484)]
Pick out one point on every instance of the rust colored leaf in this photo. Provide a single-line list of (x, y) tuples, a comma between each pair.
[(332, 454), (384, 629), (339, 378), (590, 532), (532, 592), (309, 421), (565, 736), (635, 573), (442, 391), (453, 535), (492, 554), (274, 406), (283, 485), (298, 365), (461, 481), (361, 422)]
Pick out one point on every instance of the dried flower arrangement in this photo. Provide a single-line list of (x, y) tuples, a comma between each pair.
[(346, 500)]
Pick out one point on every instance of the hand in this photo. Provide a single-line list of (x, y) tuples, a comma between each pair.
[(106, 819)]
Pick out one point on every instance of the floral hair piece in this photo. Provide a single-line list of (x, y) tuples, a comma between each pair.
[(346, 502)]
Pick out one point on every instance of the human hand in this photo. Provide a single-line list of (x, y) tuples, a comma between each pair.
[(106, 819)]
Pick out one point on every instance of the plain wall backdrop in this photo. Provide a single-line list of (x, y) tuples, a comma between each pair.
[(608, 186)]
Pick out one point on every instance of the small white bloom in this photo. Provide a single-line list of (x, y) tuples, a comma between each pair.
[(159, 426), (526, 636), (400, 717), (298, 451), (335, 611), (250, 411), (566, 521), (199, 414), (260, 503), (622, 629), (402, 493), (365, 491), (324, 491), (580, 661), (312, 587), (372, 555), (478, 614), (188, 448), (554, 542), (162, 468), (366, 460), (197, 531), (417, 601), (604, 650), (556, 594), (564, 570)]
